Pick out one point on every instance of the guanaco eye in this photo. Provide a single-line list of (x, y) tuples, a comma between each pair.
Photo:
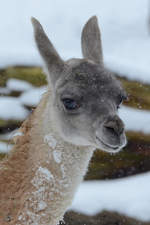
[(121, 99), (70, 104)]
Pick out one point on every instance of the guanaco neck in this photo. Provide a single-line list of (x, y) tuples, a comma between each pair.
[(42, 172)]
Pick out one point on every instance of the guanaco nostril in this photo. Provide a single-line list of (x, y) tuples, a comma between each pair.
[(114, 129), (121, 130), (110, 129), (114, 125)]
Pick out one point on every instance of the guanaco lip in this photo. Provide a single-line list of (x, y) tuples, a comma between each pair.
[(108, 146)]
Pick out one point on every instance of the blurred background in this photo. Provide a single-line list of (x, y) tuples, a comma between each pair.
[(116, 187)]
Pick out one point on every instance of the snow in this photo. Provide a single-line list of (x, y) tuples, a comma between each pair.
[(45, 173), (18, 85), (129, 196), (5, 147), (135, 120), (8, 136), (11, 109), (15, 85), (37, 200), (50, 140), (41, 205), (126, 42), (57, 156), (17, 134), (4, 90), (32, 97), (42, 175)]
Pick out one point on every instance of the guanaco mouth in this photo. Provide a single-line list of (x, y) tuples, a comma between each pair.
[(106, 145)]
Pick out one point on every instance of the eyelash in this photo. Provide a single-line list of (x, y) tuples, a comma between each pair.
[(122, 98)]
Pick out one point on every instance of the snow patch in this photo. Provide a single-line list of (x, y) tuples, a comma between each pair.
[(57, 156), (10, 108), (129, 196), (4, 91), (8, 135), (65, 181), (18, 134), (32, 97), (50, 140), (18, 85), (31, 217), (5, 147), (63, 171), (36, 203), (130, 116), (42, 175), (41, 205), (38, 199)]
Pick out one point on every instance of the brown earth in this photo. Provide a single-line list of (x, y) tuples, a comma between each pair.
[(104, 218)]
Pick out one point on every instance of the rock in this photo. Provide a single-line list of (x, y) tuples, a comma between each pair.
[(2, 156), (138, 93), (33, 75), (9, 125), (104, 218)]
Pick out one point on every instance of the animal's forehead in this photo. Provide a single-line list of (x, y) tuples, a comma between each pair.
[(89, 73), (90, 77)]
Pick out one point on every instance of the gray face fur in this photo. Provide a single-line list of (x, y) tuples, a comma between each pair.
[(86, 96)]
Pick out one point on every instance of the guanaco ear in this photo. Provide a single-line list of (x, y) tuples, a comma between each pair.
[(91, 41), (50, 56)]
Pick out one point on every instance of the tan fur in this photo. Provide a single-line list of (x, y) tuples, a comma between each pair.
[(14, 173)]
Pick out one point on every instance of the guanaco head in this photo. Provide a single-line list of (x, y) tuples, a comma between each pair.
[(86, 96)]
